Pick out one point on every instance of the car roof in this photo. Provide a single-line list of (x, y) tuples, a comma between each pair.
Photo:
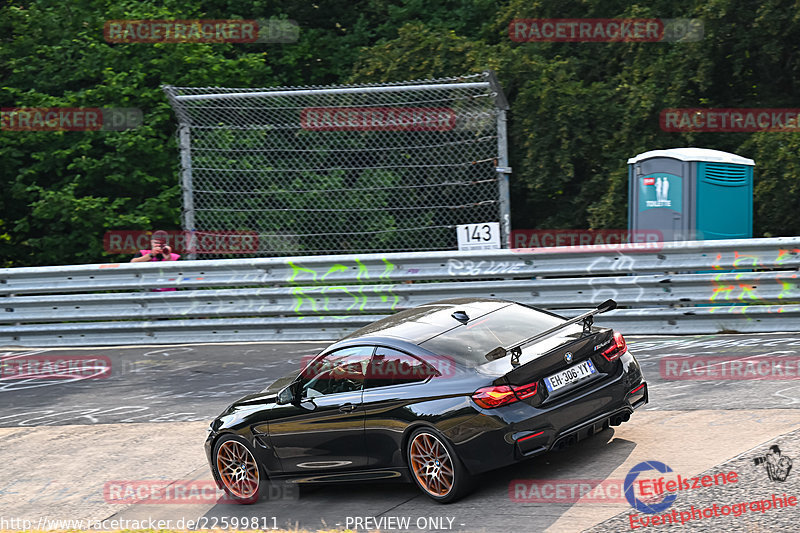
[(421, 323)]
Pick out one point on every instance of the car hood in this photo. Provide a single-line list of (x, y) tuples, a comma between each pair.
[(259, 398), (277, 385), (241, 408)]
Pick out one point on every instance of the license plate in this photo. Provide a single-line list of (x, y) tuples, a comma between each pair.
[(572, 374)]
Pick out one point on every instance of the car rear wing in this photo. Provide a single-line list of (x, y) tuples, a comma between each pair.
[(516, 349)]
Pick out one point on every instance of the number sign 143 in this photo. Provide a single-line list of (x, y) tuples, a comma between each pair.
[(482, 236)]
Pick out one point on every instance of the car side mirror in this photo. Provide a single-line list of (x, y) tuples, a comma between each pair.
[(285, 395), (289, 394)]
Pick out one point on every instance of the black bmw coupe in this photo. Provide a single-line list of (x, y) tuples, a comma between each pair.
[(435, 394)]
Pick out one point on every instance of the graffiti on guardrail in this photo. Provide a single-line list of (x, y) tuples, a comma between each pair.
[(746, 291), (316, 294), (605, 288), (755, 260), (457, 267), (735, 283), (614, 263)]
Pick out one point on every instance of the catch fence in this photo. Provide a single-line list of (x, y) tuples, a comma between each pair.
[(344, 169)]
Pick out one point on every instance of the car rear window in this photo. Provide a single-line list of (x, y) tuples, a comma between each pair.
[(471, 342)]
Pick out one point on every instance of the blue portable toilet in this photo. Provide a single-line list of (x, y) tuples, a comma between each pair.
[(691, 194)]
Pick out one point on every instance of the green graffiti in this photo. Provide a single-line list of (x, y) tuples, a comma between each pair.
[(739, 258), (783, 255), (335, 268), (356, 297), (387, 273), (299, 297), (362, 271), (733, 310), (297, 269), (723, 289), (307, 292), (747, 292), (386, 291), (787, 288), (720, 289)]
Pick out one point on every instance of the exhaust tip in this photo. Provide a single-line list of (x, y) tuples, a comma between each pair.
[(565, 443)]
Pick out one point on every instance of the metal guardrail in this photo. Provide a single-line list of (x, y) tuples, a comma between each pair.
[(683, 287), (632, 291)]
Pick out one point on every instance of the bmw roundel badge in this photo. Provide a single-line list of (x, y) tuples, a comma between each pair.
[(568, 357)]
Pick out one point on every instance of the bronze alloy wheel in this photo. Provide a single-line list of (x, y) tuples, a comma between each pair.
[(431, 464), (238, 470)]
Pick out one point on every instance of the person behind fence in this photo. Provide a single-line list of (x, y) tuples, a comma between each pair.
[(159, 250)]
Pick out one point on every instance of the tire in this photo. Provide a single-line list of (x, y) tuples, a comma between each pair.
[(435, 467), (235, 465)]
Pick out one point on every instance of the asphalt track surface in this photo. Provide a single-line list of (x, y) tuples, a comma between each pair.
[(68, 443)]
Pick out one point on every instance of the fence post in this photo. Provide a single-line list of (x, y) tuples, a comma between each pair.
[(503, 167), (185, 137)]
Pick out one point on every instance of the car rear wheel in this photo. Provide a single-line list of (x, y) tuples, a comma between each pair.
[(435, 467), (237, 469)]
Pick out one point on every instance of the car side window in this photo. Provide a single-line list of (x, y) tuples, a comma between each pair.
[(340, 371), (393, 367)]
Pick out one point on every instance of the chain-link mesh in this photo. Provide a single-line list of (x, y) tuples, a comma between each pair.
[(338, 169)]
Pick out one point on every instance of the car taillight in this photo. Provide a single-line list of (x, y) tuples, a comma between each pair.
[(491, 397), (616, 349), (526, 391), (499, 395)]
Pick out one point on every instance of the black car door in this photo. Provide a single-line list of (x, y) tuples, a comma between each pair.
[(324, 431), (395, 380)]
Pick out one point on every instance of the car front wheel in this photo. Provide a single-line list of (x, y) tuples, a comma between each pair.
[(237, 469)]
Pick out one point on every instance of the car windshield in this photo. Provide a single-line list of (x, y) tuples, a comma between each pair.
[(471, 342)]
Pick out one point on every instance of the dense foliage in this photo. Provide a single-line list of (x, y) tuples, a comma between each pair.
[(578, 110)]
